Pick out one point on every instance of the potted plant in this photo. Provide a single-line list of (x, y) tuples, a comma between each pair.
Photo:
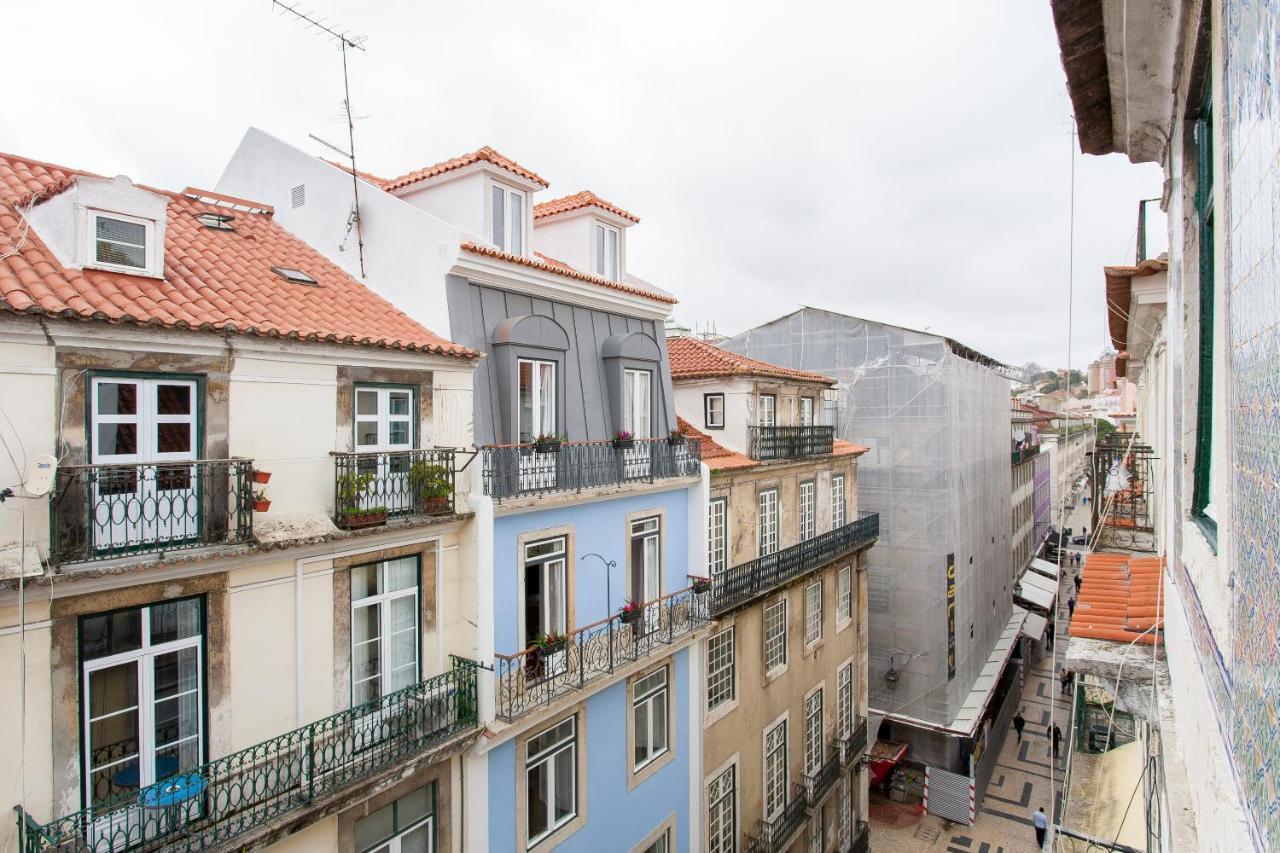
[(549, 644), (699, 584), (623, 440), (630, 612), (548, 443), (262, 477), (432, 486), (676, 438), (260, 501), (354, 517), (351, 514)]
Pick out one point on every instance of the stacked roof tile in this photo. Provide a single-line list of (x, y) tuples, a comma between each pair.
[(213, 279), (1120, 599), (577, 201), (695, 359), (485, 154)]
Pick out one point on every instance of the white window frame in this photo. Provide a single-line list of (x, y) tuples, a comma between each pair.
[(814, 709), (395, 842), (148, 249), (837, 502), (774, 770), (722, 670), (547, 756), (717, 536), (768, 415), (844, 813), (536, 395), (806, 411), (555, 615), (813, 613), (808, 510), (637, 389), (844, 596), (651, 697), (767, 521), (607, 264), (708, 410), (775, 636), (844, 700), (505, 243), (383, 602), (722, 809), (382, 417), (147, 419)]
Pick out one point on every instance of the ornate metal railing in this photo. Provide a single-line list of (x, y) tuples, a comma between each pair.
[(520, 470), (817, 784), (861, 838), (211, 806), (534, 677), (746, 581), (102, 511), (772, 835), (789, 442), (368, 488), (1022, 454), (854, 745)]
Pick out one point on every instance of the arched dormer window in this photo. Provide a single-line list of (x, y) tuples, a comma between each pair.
[(631, 362), (530, 351)]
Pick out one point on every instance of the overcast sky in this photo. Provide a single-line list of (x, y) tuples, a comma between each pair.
[(907, 162)]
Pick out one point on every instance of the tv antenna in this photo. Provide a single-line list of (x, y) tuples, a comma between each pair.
[(345, 40)]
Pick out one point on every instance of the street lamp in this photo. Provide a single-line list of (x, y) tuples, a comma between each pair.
[(609, 566)]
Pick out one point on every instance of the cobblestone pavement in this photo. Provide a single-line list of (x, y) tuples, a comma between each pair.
[(1021, 782)]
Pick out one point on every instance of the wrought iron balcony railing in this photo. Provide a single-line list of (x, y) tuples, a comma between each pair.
[(102, 511), (746, 581), (854, 745), (535, 676), (789, 442), (861, 838), (1019, 455), (369, 488), (818, 783), (520, 470), (773, 836), (218, 804)]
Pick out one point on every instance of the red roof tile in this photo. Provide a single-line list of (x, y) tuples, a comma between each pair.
[(1120, 599), (586, 198), (561, 268), (485, 154), (716, 456), (694, 359), (213, 280)]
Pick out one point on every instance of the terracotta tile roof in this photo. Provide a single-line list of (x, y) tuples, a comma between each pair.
[(586, 198), (1120, 599), (694, 359), (213, 280), (560, 268), (716, 456), (485, 154), (1119, 287), (840, 447)]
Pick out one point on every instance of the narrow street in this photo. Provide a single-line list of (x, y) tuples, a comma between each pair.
[(1021, 783)]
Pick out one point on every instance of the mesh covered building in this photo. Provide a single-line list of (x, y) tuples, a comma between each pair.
[(935, 415)]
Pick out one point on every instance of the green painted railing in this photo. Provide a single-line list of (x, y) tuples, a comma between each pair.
[(211, 806)]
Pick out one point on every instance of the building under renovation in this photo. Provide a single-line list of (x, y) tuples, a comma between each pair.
[(943, 628)]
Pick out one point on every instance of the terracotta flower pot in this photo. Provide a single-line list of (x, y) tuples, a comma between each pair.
[(261, 506)]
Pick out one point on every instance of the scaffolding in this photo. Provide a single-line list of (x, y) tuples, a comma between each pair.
[(1123, 497), (935, 417)]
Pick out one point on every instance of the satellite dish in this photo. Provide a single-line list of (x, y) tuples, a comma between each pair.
[(39, 479)]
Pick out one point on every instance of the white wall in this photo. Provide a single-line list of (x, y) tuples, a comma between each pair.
[(463, 202), (569, 239)]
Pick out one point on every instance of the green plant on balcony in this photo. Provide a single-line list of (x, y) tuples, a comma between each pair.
[(623, 440), (432, 487), (549, 442), (352, 511)]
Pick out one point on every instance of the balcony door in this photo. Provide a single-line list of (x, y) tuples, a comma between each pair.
[(637, 419), (646, 568), (546, 600), (383, 428), (146, 427), (536, 416)]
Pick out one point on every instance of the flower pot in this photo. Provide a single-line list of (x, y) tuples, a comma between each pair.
[(700, 585), (624, 443), (676, 440), (630, 616), (357, 520), (436, 505), (555, 647), (261, 476), (546, 446), (261, 506)]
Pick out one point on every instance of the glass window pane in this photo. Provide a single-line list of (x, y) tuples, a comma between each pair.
[(564, 801), (398, 433), (611, 254), (110, 633), (546, 397), (176, 672), (365, 623), (133, 233), (366, 402), (366, 660), (173, 399), (557, 606), (538, 780), (402, 573), (526, 425), (414, 806), (600, 266), (399, 402), (173, 438), (515, 222), (117, 439), (375, 828), (658, 706), (113, 780), (112, 690), (175, 620), (366, 433), (417, 840), (364, 581), (641, 727), (117, 398), (496, 209)]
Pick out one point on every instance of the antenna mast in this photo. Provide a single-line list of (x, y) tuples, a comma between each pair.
[(345, 41)]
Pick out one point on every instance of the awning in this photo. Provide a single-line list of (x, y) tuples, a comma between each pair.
[(1034, 626), (1044, 567), (1038, 581), (975, 704), (1036, 596)]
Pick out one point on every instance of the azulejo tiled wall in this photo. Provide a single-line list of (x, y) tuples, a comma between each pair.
[(1252, 112)]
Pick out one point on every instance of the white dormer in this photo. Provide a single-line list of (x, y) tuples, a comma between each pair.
[(105, 223), (586, 232), (485, 195)]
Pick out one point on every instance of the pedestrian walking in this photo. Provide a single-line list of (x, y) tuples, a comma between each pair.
[(1071, 607), (1048, 640), (1066, 679), (1077, 582), (1057, 739), (1041, 822), (1018, 723)]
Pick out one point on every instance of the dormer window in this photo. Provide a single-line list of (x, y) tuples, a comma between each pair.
[(121, 242), (506, 217), (608, 240)]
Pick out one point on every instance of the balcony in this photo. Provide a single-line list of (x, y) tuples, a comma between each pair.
[(369, 488), (773, 836), (535, 677), (98, 512), (226, 802), (818, 783), (527, 470), (1018, 455), (789, 442), (852, 747), (742, 583)]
